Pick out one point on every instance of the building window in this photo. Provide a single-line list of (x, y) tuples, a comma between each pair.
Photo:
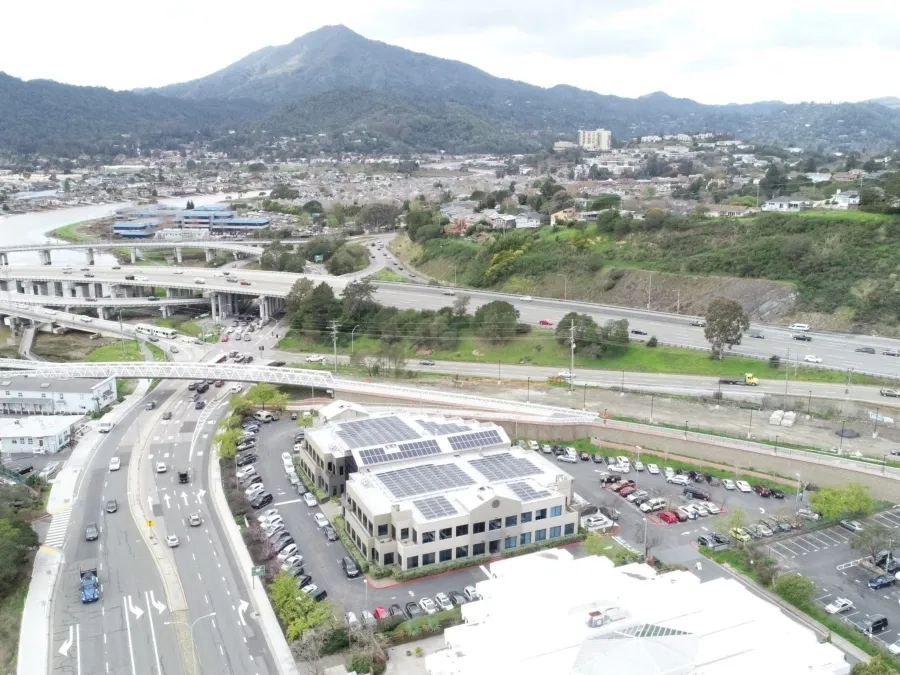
[(341, 470), (494, 524), (494, 546), (404, 533), (555, 511), (412, 562), (525, 538), (462, 530), (462, 552), (446, 555), (427, 537), (427, 559), (478, 549), (526, 517), (446, 533), (540, 514), (570, 528), (382, 530), (478, 528), (554, 532), (509, 542), (512, 521), (540, 535), (388, 558), (415, 537)]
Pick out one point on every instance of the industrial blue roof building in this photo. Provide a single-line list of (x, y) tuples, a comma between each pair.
[(136, 230)]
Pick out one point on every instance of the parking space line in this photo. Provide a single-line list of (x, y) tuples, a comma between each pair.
[(790, 554), (819, 540), (796, 542), (826, 535)]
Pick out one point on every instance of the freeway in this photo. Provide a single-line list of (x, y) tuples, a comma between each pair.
[(29, 299)]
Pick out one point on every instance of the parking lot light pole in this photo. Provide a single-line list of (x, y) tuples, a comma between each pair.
[(797, 499), (750, 426), (651, 408), (191, 629)]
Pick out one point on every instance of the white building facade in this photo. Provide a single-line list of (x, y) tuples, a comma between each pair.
[(27, 395), (37, 435), (595, 139)]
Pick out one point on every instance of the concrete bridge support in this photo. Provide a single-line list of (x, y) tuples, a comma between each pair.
[(178, 255), (45, 256), (101, 313), (4, 259), (133, 255), (210, 254), (166, 310), (89, 256)]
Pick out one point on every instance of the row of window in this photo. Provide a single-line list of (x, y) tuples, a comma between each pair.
[(477, 528), (491, 547), (21, 441)]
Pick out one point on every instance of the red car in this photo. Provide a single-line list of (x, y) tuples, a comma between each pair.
[(618, 485), (667, 517), (380, 613), (585, 457), (224, 338), (625, 491), (545, 322), (626, 484), (244, 282), (762, 490), (681, 517), (220, 383)]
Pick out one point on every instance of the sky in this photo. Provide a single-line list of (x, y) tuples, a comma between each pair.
[(712, 51)]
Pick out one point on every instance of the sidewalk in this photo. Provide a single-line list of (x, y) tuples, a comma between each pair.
[(34, 636)]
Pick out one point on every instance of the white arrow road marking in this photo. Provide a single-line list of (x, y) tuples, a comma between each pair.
[(134, 609), (200, 494), (241, 609), (150, 503), (166, 497), (67, 645), (184, 497), (159, 606), (762, 510)]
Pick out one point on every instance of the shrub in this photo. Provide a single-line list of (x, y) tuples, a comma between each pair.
[(341, 526), (774, 361), (336, 641), (652, 342)]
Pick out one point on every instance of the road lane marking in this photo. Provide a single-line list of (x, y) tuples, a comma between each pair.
[(78, 646), (153, 634), (130, 645), (67, 645)]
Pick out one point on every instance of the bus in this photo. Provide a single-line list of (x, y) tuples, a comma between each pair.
[(146, 329)]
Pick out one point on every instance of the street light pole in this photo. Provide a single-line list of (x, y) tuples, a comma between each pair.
[(797, 500), (351, 339), (191, 629), (750, 426), (528, 395)]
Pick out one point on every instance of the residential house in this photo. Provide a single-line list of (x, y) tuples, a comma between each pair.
[(565, 214), (503, 221), (787, 204), (528, 220), (845, 200), (730, 211)]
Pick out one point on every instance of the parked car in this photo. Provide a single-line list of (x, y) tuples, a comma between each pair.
[(349, 567), (762, 490), (262, 500), (852, 525), (428, 606), (652, 468), (728, 484), (413, 610), (881, 581), (471, 594), (443, 602), (742, 485), (457, 598), (667, 517)]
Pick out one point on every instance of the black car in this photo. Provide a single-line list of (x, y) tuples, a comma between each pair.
[(200, 405), (890, 352), (413, 610), (873, 624), (596, 459), (184, 476), (641, 500), (865, 350), (262, 500), (24, 470), (611, 461), (609, 512), (638, 331), (396, 610), (246, 459), (426, 362), (277, 364), (252, 479), (778, 494), (282, 543), (202, 388), (304, 580), (695, 493), (457, 598), (803, 337), (349, 567), (91, 532), (319, 595), (330, 533)]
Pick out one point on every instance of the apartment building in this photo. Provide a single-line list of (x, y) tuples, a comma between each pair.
[(456, 491), (27, 395), (596, 139)]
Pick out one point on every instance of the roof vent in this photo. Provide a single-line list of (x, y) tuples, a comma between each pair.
[(44, 385)]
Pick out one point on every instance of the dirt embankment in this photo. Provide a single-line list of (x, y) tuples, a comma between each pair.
[(769, 301)]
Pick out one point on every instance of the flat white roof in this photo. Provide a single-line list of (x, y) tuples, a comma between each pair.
[(36, 425), (587, 617)]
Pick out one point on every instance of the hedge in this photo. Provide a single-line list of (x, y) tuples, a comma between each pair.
[(320, 495), (341, 526)]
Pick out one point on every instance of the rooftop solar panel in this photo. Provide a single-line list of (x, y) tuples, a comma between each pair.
[(443, 428), (527, 493), (375, 431), (504, 466), (402, 451), (477, 439), (435, 507), (420, 480)]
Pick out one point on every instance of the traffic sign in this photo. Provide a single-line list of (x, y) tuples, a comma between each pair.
[(149, 523), (259, 570)]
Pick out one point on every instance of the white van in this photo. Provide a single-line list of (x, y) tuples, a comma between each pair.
[(800, 326), (264, 416), (199, 280)]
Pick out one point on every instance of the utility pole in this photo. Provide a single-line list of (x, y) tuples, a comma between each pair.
[(649, 289), (787, 369), (678, 302), (121, 332), (572, 356), (334, 334)]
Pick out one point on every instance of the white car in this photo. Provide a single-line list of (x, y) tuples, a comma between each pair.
[(687, 512), (273, 527), (894, 647), (271, 522), (236, 388), (312, 588), (566, 375), (85, 319), (177, 271), (652, 468), (51, 312), (293, 561), (171, 540), (838, 606), (246, 471), (315, 358), (639, 466), (114, 464), (527, 298), (287, 458), (287, 552), (321, 520), (534, 445), (310, 499), (160, 467), (668, 471), (268, 515), (254, 490), (428, 606), (742, 485), (140, 277), (619, 468), (567, 458), (712, 508), (809, 358), (622, 459), (443, 602), (471, 594), (728, 484), (701, 510), (678, 480)]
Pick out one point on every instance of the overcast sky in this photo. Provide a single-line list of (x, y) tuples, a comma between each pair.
[(708, 50)]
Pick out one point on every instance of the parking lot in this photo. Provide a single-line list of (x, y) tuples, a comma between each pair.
[(322, 559)]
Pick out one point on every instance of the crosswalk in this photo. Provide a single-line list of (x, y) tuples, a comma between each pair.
[(56, 534)]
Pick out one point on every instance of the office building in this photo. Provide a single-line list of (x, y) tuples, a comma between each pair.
[(141, 229), (421, 490), (38, 435), (596, 139), (551, 613), (27, 395)]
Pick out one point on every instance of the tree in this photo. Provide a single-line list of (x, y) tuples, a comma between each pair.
[(228, 440), (358, 299), (297, 611), (298, 295), (872, 539), (736, 518), (309, 647), (461, 305), (17, 540), (496, 321), (877, 666), (240, 406), (190, 205), (726, 322), (796, 589), (851, 500), (266, 394), (345, 261), (378, 215), (829, 502), (857, 500)]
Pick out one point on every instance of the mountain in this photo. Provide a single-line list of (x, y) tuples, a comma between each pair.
[(335, 79), (887, 101), (41, 116)]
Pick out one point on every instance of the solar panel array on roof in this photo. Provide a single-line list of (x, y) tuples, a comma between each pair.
[(375, 431), (435, 507), (443, 428), (402, 451), (420, 480), (477, 439), (527, 493), (504, 466)]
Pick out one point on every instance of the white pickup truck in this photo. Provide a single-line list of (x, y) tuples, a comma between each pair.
[(105, 427)]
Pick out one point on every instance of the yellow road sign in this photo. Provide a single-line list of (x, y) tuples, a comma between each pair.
[(149, 523)]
